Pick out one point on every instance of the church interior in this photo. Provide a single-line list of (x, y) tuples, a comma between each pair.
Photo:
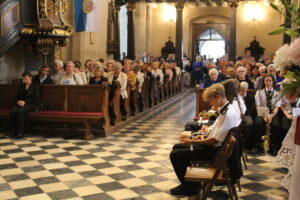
[(115, 82)]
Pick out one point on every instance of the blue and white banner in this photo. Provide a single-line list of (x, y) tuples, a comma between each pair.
[(87, 15)]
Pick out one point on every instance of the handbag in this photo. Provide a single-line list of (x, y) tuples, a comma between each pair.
[(41, 107)]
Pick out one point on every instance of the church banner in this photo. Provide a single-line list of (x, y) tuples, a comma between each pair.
[(87, 15)]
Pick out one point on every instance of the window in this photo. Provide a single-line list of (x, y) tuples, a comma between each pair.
[(211, 44)]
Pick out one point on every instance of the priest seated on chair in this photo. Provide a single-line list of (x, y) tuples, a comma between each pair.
[(205, 145)]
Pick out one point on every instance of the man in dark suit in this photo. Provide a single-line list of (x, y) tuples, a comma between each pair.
[(250, 115), (43, 77), (26, 100)]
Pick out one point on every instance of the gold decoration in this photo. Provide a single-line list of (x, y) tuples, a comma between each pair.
[(54, 6), (179, 6), (233, 4), (130, 6), (42, 8), (63, 6), (266, 139), (55, 32)]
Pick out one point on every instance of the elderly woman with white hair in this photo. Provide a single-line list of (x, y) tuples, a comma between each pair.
[(58, 71), (115, 77), (198, 68), (272, 69), (100, 76), (212, 79), (263, 72), (241, 75), (69, 77)]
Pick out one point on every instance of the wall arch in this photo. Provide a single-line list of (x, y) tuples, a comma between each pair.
[(199, 24)]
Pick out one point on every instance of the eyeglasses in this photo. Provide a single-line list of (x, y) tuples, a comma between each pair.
[(240, 71)]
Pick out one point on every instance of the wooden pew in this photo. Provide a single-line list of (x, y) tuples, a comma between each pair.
[(166, 88), (201, 105), (86, 104), (116, 103), (146, 92)]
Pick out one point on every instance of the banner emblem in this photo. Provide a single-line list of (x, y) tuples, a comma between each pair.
[(88, 6)]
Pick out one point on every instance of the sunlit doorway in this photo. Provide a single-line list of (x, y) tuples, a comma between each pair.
[(211, 43)]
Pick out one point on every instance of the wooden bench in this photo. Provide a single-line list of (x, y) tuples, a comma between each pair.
[(84, 104)]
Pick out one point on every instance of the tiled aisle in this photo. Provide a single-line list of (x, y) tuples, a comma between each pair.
[(131, 164)]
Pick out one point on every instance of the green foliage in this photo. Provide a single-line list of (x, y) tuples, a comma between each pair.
[(293, 74), (291, 12)]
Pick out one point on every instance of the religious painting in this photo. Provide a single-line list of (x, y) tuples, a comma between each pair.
[(9, 18)]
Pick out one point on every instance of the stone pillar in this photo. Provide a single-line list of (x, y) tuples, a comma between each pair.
[(117, 33), (232, 39), (130, 28), (179, 10), (287, 38)]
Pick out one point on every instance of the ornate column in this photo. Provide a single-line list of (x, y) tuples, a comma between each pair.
[(232, 39), (179, 10), (117, 33), (130, 28)]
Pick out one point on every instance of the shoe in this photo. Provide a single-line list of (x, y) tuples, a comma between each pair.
[(184, 190), (112, 123), (19, 135), (123, 118), (13, 133), (256, 150)]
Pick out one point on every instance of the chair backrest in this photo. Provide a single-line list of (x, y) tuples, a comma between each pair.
[(224, 154), (217, 157)]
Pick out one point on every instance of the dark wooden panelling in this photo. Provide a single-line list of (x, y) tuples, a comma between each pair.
[(8, 95), (79, 99), (53, 95)]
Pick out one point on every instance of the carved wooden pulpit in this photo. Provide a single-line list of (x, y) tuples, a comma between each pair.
[(45, 29), (255, 49)]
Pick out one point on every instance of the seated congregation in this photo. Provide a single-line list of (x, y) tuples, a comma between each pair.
[(105, 94), (234, 108)]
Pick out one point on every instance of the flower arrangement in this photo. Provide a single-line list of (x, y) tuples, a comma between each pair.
[(287, 57)]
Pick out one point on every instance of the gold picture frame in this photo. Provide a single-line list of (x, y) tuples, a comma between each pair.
[(9, 18)]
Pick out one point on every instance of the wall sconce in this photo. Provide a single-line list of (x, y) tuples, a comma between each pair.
[(169, 13), (253, 12)]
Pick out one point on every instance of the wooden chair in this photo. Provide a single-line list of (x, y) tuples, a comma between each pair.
[(219, 172)]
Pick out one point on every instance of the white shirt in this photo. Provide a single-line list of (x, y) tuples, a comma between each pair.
[(287, 104), (184, 64), (178, 71), (56, 77), (261, 98), (122, 78), (242, 105), (236, 107), (224, 123), (140, 78), (74, 80), (158, 73)]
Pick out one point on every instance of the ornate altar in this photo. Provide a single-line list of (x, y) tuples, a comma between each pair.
[(45, 30), (255, 49), (168, 49)]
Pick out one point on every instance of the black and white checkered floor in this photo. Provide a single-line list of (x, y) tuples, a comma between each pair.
[(131, 164)]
